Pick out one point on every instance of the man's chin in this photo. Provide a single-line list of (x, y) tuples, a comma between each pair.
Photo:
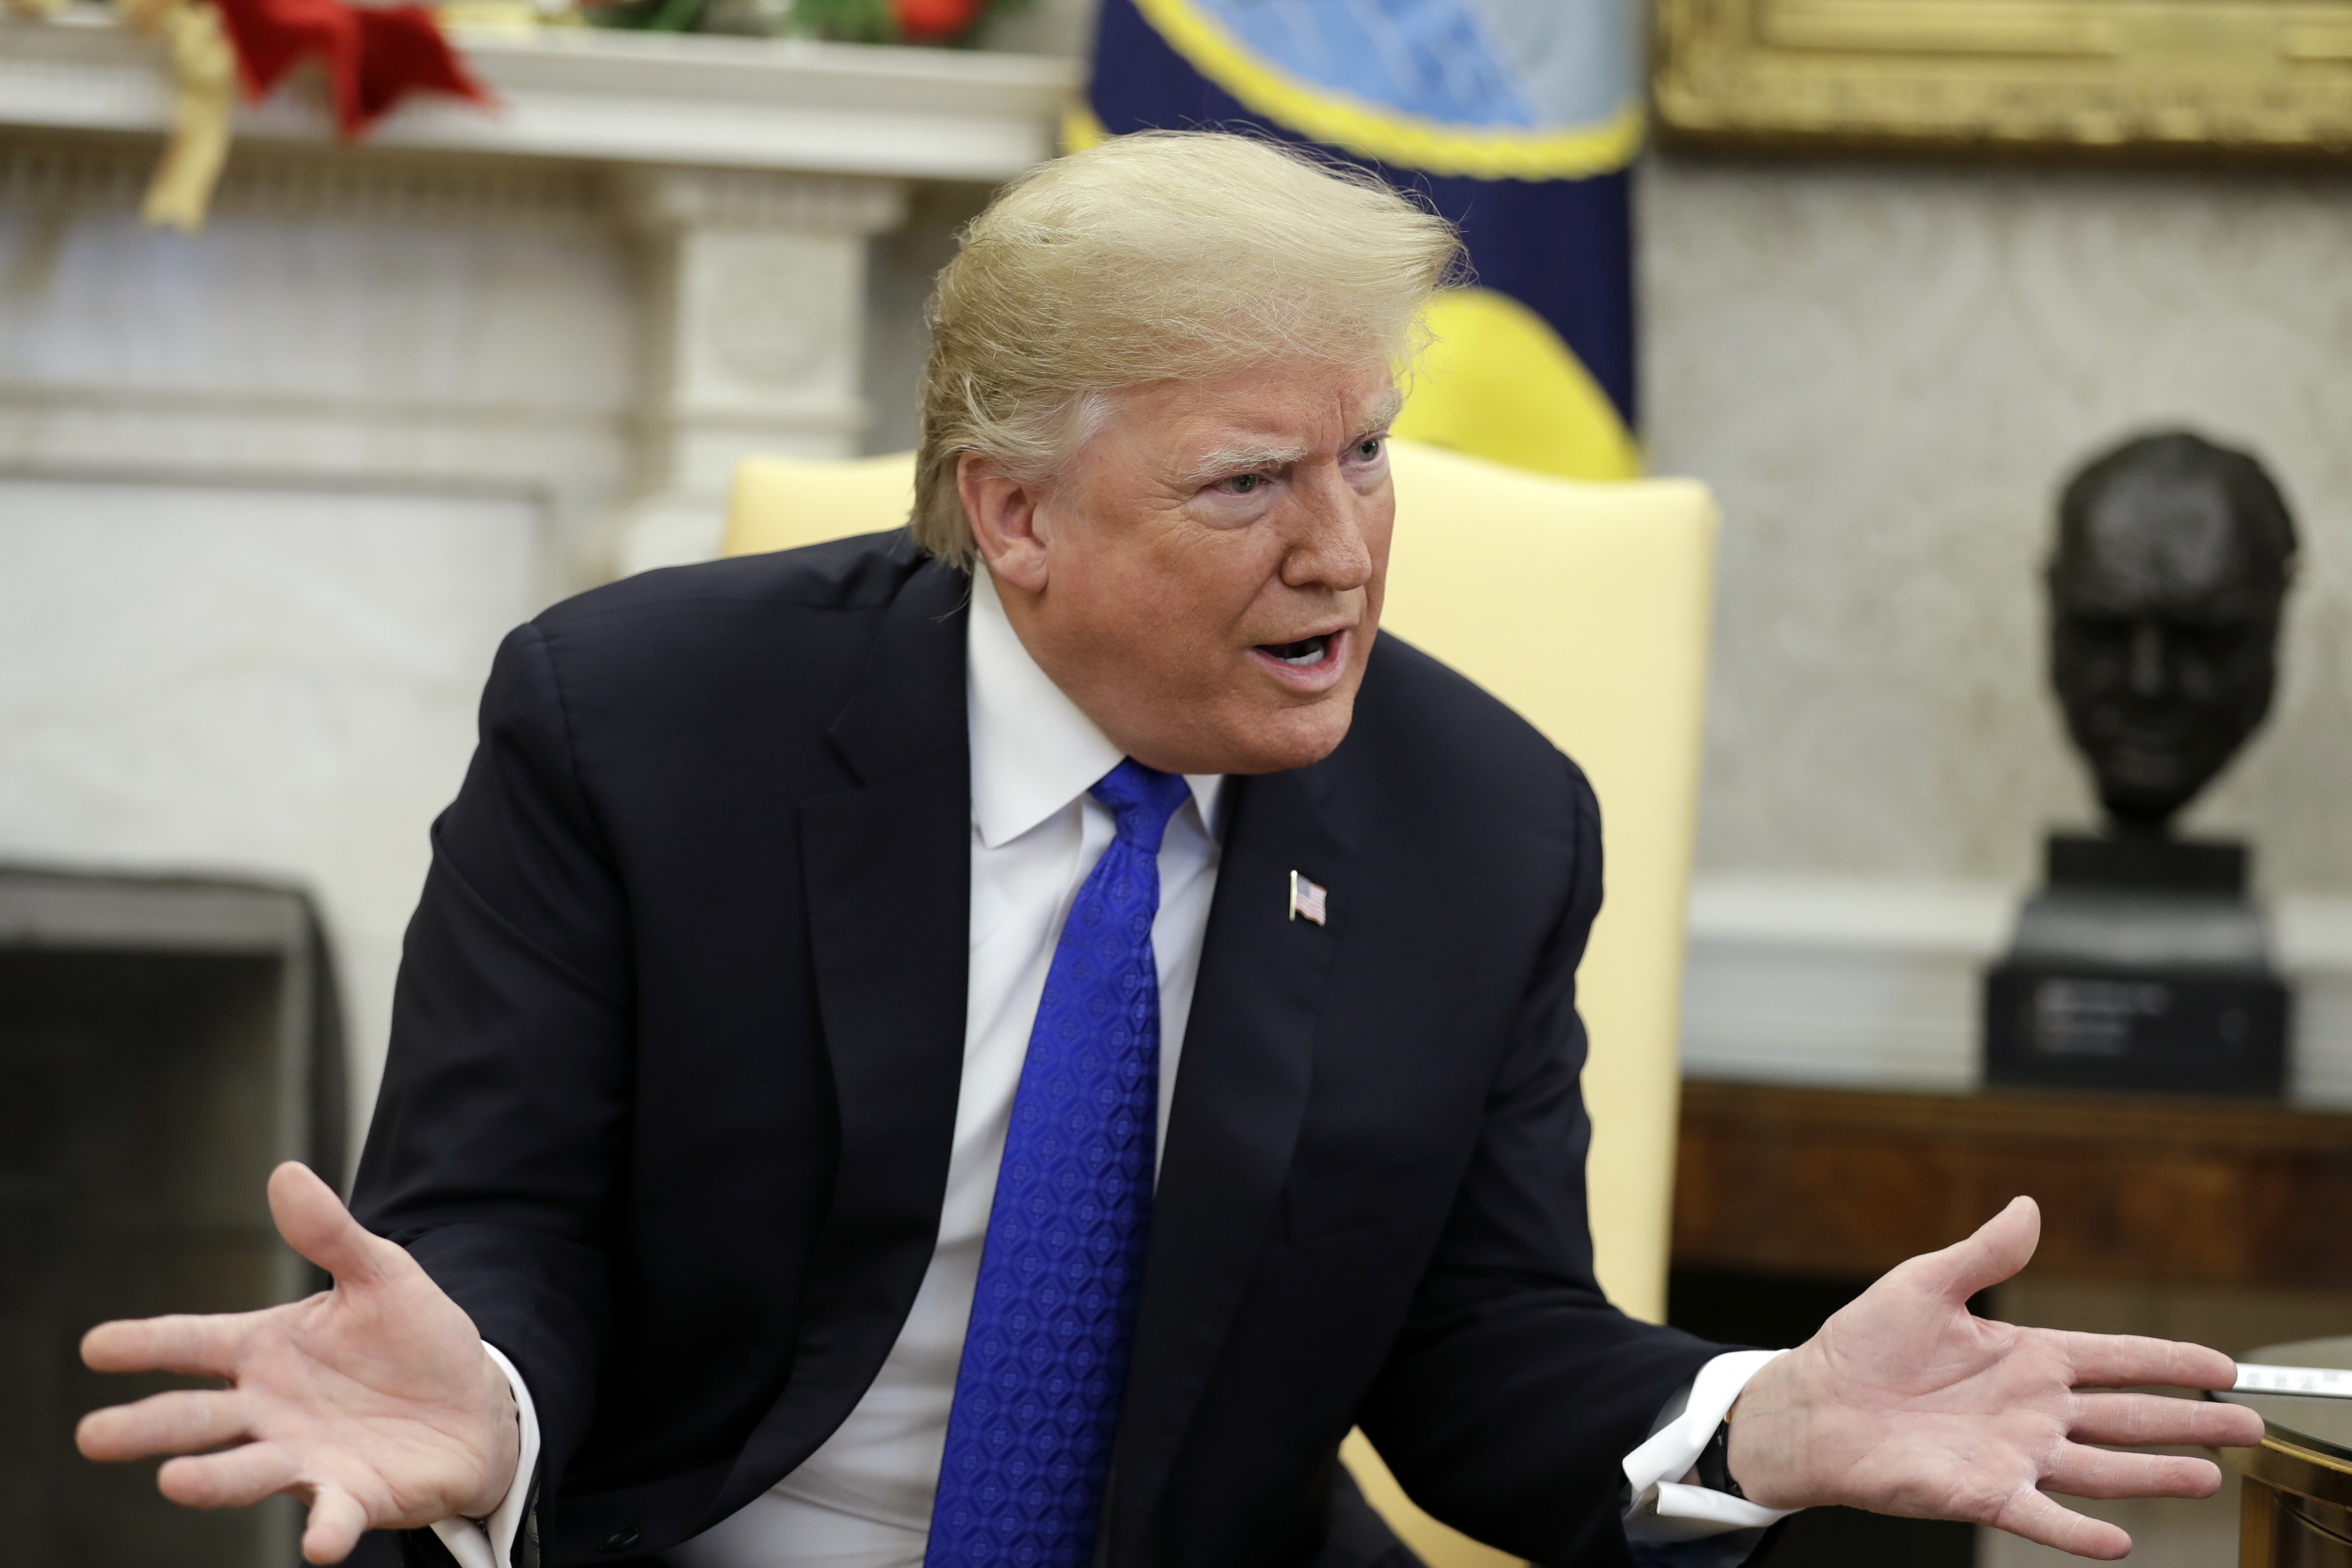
[(1296, 738)]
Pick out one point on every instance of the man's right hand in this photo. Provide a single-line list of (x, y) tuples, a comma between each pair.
[(374, 1401)]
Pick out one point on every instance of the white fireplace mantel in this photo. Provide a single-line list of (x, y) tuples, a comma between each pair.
[(611, 97), (270, 495), (746, 177)]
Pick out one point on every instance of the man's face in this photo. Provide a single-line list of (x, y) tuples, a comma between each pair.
[(1204, 580), (2162, 648)]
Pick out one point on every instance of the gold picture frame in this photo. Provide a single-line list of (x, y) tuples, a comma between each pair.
[(2126, 76)]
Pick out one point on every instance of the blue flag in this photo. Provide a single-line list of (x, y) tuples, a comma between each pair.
[(1516, 118)]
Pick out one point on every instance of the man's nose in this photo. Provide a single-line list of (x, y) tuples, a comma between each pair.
[(2151, 661), (1328, 546)]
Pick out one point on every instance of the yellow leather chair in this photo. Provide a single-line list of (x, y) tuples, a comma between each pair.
[(1584, 606)]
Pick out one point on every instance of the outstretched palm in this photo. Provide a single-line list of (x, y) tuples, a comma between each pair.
[(372, 1401), (1905, 1403)]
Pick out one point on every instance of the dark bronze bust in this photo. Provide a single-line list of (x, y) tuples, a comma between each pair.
[(2173, 561), (2142, 962)]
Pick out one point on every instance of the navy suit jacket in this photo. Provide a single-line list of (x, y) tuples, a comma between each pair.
[(679, 1031)]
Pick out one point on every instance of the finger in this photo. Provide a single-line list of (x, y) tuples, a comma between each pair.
[(315, 1224), (2033, 1516), (1999, 1248), (2097, 1473), (235, 1478), (2138, 1420), (198, 1346), (336, 1521), (176, 1423), (2120, 1361)]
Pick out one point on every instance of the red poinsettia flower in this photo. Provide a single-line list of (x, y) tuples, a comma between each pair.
[(936, 21), (374, 55)]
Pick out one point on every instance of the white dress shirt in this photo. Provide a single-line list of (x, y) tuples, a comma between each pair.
[(863, 1499)]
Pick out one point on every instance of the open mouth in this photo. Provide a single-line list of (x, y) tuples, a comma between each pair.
[(1305, 651)]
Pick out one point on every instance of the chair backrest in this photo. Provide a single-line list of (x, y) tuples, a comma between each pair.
[(783, 504), (1584, 606)]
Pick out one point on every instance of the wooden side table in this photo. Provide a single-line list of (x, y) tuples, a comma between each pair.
[(1784, 1180), (1781, 1179), (2297, 1500)]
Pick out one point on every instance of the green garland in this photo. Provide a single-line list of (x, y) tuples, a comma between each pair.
[(837, 21), (843, 21)]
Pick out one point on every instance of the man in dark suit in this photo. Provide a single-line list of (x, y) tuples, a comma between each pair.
[(785, 1156)]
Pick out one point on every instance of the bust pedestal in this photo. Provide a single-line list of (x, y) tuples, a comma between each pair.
[(2140, 964)]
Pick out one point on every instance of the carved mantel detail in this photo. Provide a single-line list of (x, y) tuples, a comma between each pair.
[(759, 297)]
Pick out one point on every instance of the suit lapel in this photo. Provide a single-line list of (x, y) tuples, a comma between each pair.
[(1241, 1091), (887, 868)]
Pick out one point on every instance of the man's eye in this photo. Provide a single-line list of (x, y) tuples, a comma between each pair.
[(1243, 484), (1369, 448)]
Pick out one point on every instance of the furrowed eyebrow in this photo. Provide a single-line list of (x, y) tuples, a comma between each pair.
[(1231, 460), (1242, 460)]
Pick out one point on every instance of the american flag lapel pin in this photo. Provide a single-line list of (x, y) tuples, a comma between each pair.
[(1306, 899)]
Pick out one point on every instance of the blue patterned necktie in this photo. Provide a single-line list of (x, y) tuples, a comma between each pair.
[(1044, 1359)]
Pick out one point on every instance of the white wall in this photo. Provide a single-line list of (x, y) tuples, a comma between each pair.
[(1885, 370)]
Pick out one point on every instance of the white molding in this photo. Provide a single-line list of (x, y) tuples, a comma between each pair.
[(611, 97), (1873, 983), (663, 201), (281, 182), (1817, 980), (263, 437), (1868, 913)]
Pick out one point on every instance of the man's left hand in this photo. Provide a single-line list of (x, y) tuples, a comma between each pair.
[(1905, 1403)]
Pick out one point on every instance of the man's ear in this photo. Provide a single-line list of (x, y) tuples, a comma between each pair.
[(1004, 522)]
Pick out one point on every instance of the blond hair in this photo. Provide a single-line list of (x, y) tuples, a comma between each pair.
[(1161, 256)]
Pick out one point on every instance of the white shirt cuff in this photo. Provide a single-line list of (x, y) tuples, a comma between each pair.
[(490, 1542), (1664, 1508)]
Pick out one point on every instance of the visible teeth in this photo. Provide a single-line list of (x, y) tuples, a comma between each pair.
[(1309, 651)]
